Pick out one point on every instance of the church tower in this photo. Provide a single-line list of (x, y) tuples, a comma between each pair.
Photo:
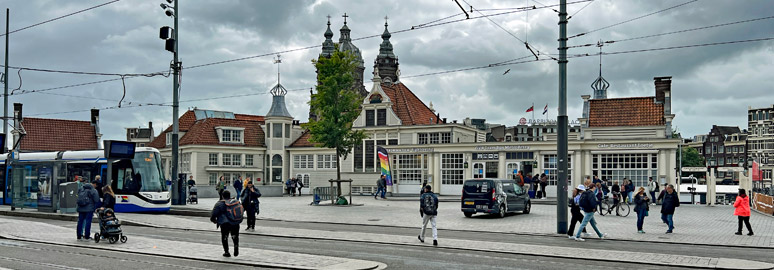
[(345, 44), (386, 62)]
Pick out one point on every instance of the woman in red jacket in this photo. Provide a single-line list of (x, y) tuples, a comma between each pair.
[(742, 205)]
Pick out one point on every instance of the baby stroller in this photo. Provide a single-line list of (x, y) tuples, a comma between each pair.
[(109, 227), (193, 196)]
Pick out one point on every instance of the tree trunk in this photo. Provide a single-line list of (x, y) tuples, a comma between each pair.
[(338, 173)]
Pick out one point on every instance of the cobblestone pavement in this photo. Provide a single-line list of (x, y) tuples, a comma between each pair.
[(693, 223), (48, 233)]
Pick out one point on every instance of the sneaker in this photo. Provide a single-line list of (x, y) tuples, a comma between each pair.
[(640, 231), (236, 252), (738, 233), (579, 239), (435, 242), (669, 231), (586, 235), (420, 238), (572, 237), (604, 236), (750, 234), (226, 255)]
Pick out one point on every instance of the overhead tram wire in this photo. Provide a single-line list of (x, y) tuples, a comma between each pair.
[(60, 17), (416, 27), (505, 63), (631, 20), (674, 32), (578, 11)]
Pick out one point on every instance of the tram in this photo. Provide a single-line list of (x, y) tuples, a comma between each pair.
[(33, 179)]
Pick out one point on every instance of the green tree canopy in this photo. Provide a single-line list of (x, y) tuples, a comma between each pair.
[(691, 158), (337, 105)]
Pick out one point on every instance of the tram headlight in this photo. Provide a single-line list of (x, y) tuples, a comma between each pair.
[(146, 195)]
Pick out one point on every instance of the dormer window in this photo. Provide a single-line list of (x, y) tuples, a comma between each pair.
[(231, 134)]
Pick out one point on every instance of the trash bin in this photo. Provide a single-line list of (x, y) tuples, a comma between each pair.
[(68, 197)]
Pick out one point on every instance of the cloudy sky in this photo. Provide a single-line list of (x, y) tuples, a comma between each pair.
[(711, 84)]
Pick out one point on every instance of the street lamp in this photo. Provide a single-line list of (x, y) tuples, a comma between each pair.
[(169, 34)]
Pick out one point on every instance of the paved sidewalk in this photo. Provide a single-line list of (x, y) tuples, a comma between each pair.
[(510, 248), (693, 223), (46, 233)]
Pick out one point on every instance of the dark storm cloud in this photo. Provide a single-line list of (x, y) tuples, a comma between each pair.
[(711, 85)]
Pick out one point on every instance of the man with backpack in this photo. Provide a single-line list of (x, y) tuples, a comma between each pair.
[(381, 187), (251, 203), (588, 203), (228, 214), (88, 198), (428, 205), (238, 187), (652, 188)]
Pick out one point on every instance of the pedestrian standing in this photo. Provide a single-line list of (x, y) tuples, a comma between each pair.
[(742, 211), (293, 185), (428, 205), (577, 216), (191, 181), (543, 184), (379, 186), (669, 202), (588, 204), (251, 203), (652, 188), (238, 187), (629, 190), (641, 208), (300, 186), (599, 196), (109, 199), (527, 181), (287, 186), (221, 186), (224, 214), (88, 198), (383, 183), (616, 189)]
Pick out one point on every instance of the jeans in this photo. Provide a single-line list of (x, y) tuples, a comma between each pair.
[(384, 192), (250, 216), (653, 197), (431, 219), (641, 218), (588, 218), (239, 194), (543, 190), (630, 194), (225, 230), (668, 220), (84, 224), (746, 221)]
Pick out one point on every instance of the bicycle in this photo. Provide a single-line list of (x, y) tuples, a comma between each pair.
[(621, 208)]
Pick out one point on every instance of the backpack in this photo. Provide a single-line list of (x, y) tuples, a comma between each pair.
[(234, 211), (83, 198), (587, 201), (429, 204)]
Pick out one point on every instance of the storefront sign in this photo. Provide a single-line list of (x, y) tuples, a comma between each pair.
[(625, 145), (694, 169), (410, 150), (486, 156), (502, 147), (550, 122)]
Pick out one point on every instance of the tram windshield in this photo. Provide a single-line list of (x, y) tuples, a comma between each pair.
[(141, 174)]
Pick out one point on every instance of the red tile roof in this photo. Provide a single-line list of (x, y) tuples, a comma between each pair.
[(409, 108), (632, 111), (202, 132), (303, 140), (57, 135)]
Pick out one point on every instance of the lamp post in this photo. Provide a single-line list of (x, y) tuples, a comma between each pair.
[(170, 35)]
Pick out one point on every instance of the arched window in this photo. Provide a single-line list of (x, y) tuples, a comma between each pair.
[(276, 161)]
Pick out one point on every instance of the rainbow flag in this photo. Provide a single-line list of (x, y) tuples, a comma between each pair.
[(384, 160)]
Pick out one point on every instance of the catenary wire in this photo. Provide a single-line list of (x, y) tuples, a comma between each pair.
[(578, 11), (60, 17), (632, 19), (674, 32)]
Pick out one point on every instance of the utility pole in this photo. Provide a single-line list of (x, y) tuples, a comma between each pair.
[(176, 199), (561, 147), (5, 95)]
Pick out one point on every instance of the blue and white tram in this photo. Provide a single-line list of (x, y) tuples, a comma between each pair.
[(138, 183)]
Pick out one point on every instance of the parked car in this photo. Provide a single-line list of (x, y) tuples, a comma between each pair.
[(494, 196)]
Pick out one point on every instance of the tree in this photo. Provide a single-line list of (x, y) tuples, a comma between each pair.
[(691, 158), (337, 105)]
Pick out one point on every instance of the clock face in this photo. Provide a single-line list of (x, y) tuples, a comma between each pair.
[(397, 72)]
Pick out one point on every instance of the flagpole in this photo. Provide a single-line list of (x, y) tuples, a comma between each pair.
[(533, 112)]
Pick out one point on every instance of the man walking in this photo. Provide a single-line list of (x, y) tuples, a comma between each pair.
[(251, 203), (428, 206), (88, 198), (668, 205), (382, 186), (238, 187), (652, 188), (227, 214), (588, 204)]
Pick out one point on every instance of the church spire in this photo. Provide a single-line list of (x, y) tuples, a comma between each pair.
[(386, 62), (328, 47), (600, 85)]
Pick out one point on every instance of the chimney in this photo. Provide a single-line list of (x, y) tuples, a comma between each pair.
[(95, 124), (152, 134), (664, 96)]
